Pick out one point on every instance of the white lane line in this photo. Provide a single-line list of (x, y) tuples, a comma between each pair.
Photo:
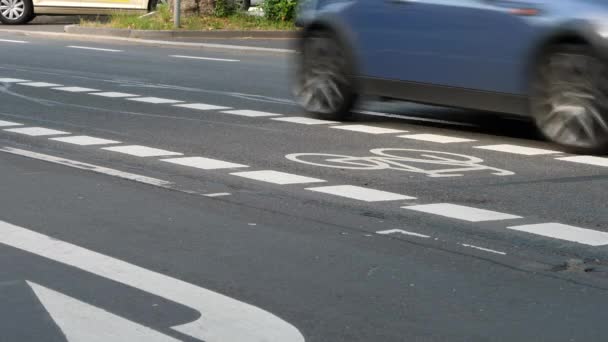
[(360, 193), (201, 106), (92, 48), (40, 84), (565, 232), (206, 58), (306, 121), (114, 94), (483, 249), (141, 151), (76, 89), (590, 160), (250, 113), (203, 163), (461, 212), (218, 194), (401, 231), (369, 129), (35, 131), (12, 80), (155, 100), (442, 139), (13, 41), (413, 118), (277, 177), (9, 123), (85, 140), (527, 151), (88, 167), (219, 318)]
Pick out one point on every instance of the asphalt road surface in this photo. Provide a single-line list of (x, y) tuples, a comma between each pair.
[(166, 194)]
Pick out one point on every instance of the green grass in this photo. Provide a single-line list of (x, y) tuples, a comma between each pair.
[(163, 20)]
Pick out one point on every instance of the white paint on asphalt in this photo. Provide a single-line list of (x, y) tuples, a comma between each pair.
[(250, 113), (40, 84), (76, 89), (360, 193), (305, 120), (88, 167), (565, 232), (461, 212), (80, 321), (13, 41), (114, 94), (85, 140), (590, 160), (36, 131), (12, 80), (206, 58), (414, 118), (203, 163), (155, 100), (222, 319), (401, 231), (141, 151), (9, 123), (483, 249), (201, 106), (515, 149), (92, 48), (442, 139), (277, 177), (369, 129), (217, 194)]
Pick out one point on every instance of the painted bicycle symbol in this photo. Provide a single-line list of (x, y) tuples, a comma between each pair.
[(431, 163)]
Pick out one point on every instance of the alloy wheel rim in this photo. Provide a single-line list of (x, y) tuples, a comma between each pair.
[(12, 9)]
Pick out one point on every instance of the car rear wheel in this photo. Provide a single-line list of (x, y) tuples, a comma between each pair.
[(570, 99), (324, 84), (16, 12)]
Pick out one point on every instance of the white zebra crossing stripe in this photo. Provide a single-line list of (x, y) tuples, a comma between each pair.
[(277, 177), (565, 232), (203, 163), (84, 140), (360, 193), (461, 212), (141, 151), (36, 131)]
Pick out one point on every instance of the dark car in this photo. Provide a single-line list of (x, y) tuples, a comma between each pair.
[(541, 58)]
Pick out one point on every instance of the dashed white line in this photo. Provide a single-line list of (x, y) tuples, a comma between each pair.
[(565, 232), (85, 140), (76, 89), (401, 231), (40, 84), (154, 100), (206, 58), (218, 194), (360, 193), (250, 113), (515, 149), (305, 120), (88, 167), (12, 80), (277, 177), (201, 106), (13, 41), (369, 129), (461, 212), (114, 94), (483, 249), (203, 163), (9, 123), (92, 48), (36, 131), (442, 139), (141, 151), (590, 160)]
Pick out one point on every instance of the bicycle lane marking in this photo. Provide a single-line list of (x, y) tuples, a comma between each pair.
[(222, 318)]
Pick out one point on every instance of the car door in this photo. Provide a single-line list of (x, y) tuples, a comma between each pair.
[(119, 4), (473, 44)]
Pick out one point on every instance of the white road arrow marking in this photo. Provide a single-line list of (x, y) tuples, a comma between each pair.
[(83, 322), (222, 319)]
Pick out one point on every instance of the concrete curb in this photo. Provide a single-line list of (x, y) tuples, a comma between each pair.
[(156, 34), (151, 42)]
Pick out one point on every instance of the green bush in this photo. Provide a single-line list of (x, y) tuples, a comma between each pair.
[(281, 10), (224, 8)]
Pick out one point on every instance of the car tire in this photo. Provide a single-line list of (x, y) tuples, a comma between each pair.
[(324, 83), (16, 12), (569, 101)]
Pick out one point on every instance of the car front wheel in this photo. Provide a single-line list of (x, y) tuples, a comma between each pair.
[(570, 99), (16, 12)]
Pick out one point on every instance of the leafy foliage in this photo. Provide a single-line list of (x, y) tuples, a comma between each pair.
[(279, 10)]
